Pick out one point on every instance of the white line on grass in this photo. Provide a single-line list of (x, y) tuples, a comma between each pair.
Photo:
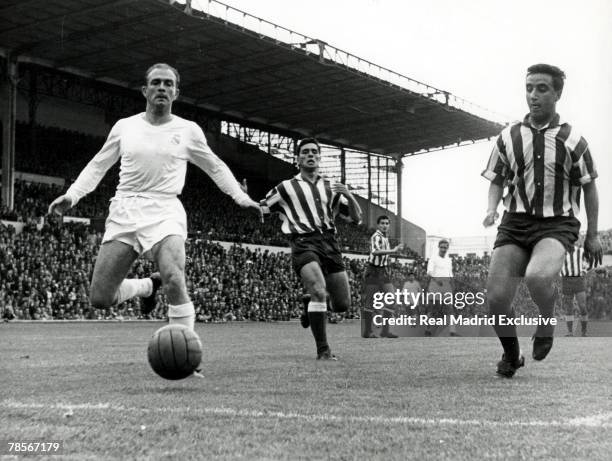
[(601, 420)]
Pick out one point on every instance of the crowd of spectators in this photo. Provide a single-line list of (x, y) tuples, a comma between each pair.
[(45, 274)]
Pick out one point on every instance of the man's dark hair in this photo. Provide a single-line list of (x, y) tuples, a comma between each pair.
[(162, 65), (558, 76), (381, 217), (442, 242), (307, 141)]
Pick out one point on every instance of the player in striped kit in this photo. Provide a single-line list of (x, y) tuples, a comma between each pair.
[(307, 205), (573, 285), (376, 277), (544, 165)]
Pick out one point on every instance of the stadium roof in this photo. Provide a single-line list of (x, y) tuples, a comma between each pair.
[(244, 69)]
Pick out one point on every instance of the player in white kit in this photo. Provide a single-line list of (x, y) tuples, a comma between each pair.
[(145, 216)]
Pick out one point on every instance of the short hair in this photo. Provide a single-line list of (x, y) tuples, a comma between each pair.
[(162, 65), (381, 217), (443, 241), (558, 76), (308, 141)]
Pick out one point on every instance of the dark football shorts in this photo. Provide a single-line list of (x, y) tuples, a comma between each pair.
[(526, 230), (376, 275), (316, 247), (572, 285)]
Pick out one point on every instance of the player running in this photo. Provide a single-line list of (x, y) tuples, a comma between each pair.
[(307, 205), (544, 164)]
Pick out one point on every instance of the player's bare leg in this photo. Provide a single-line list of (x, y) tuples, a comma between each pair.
[(170, 257), (507, 266), (541, 272), (368, 310), (388, 312), (568, 308), (314, 284), (112, 265), (582, 310)]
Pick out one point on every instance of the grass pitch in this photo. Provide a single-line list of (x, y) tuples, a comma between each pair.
[(266, 397)]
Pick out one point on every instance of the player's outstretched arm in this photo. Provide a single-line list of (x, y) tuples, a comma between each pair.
[(60, 205), (202, 156)]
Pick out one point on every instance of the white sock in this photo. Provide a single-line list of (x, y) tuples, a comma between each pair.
[(315, 306), (183, 314), (131, 288)]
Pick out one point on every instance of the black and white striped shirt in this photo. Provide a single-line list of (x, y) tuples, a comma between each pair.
[(574, 265), (379, 241), (544, 169), (306, 207)]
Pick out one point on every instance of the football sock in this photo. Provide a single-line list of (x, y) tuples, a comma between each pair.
[(570, 326), (584, 321), (317, 314), (511, 347), (130, 288), (387, 313), (367, 322), (183, 314)]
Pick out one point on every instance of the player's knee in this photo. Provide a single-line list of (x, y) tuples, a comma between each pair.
[(497, 298), (317, 292), (539, 285), (174, 279)]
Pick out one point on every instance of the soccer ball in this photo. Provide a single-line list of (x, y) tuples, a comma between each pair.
[(174, 352)]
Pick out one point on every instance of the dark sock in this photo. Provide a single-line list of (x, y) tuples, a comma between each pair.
[(570, 326), (583, 324), (318, 321), (367, 323), (511, 348)]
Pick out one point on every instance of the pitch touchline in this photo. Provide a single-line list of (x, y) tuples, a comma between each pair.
[(603, 420)]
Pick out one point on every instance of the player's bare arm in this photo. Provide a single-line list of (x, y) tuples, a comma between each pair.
[(592, 246), (393, 250), (494, 197), (354, 208)]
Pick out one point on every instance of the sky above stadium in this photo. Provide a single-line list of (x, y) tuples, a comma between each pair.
[(478, 50)]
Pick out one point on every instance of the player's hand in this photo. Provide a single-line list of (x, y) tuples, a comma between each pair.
[(60, 205), (339, 188), (593, 251), (399, 247), (490, 218), (244, 186)]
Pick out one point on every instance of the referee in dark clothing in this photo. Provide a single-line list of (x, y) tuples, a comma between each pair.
[(308, 205), (544, 164), (376, 278)]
